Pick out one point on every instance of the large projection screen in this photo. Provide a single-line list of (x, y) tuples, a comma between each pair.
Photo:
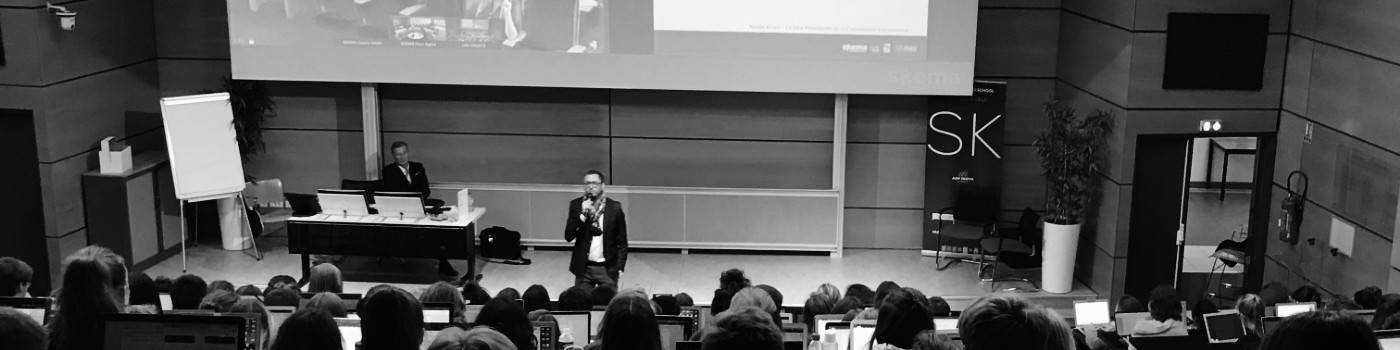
[(908, 47)]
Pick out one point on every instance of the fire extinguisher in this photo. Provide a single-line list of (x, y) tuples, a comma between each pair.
[(1292, 216)]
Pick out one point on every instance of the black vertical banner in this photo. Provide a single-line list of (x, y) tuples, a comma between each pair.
[(963, 153)]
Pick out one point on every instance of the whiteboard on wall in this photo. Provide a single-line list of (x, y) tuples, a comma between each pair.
[(203, 147)]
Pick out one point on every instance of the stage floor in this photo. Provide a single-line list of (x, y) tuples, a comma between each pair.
[(696, 273)]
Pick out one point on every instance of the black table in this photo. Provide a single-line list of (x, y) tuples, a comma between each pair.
[(384, 238)]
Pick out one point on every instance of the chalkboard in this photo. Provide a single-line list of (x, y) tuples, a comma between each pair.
[(203, 146)]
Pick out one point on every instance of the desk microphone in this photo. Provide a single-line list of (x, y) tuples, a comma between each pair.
[(344, 213)]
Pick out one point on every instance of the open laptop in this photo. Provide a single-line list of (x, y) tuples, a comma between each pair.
[(1226, 326), (822, 320), (469, 313), (862, 334), (1390, 339), (576, 323), (546, 335), (165, 303), (1290, 309), (350, 300), (438, 316), (349, 332), (594, 321), (342, 203), (399, 205), (946, 325), (142, 332), (1267, 324), (673, 329), (694, 314), (843, 333), (38, 309), (1124, 322), (275, 316), (1088, 313)]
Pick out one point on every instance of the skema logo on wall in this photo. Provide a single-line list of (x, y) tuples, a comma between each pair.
[(976, 134)]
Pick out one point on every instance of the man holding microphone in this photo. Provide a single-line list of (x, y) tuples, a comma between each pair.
[(598, 229)]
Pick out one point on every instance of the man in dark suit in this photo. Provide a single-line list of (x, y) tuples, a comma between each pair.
[(598, 229), (406, 176)]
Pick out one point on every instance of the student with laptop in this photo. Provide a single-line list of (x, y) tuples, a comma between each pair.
[(901, 317), (308, 329), (15, 277), (743, 328), (1166, 315), (1009, 321), (1321, 330), (94, 283), (19, 331)]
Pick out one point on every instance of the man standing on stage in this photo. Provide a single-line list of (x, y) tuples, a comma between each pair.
[(598, 229)]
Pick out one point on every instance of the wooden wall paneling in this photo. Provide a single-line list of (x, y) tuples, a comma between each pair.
[(1365, 26), (884, 175), (1152, 15), (1046, 4), (509, 209), (549, 211), (483, 109), (1025, 109), (760, 219), (883, 228), (1297, 76), (180, 77), (170, 229), (1110, 226), (22, 48), (1017, 42), (1289, 154), (886, 118), (80, 113), (650, 217), (316, 105), (1316, 263), (1304, 17), (1356, 95), (109, 34), (193, 29), (304, 160), (1149, 52), (62, 247), (1095, 57), (720, 164), (722, 115), (505, 158), (141, 212), (1119, 13), (63, 201), (1119, 142), (1023, 181)]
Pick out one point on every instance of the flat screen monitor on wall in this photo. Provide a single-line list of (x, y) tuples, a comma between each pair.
[(912, 47)]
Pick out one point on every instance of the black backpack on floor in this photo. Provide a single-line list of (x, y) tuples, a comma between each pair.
[(499, 243)]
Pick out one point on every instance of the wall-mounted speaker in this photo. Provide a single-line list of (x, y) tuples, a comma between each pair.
[(1215, 51)]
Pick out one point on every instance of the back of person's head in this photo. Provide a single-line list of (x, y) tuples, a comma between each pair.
[(830, 290), (817, 303), (1342, 303), (862, 293), (249, 290), (474, 294), (164, 284), (505, 315), (94, 283), (684, 300), (630, 324), (221, 285), (845, 305), (1320, 330), (1164, 305), (603, 295), (330, 302), (939, 307), (1251, 309), (187, 291), (1274, 293), (901, 317), (1005, 321), (883, 289), (1367, 297), (390, 320), (508, 293), (930, 340), (253, 306), (282, 297), (668, 304), (1129, 304), (754, 297), (733, 280), (1306, 294), (1203, 307), (1389, 305), (479, 338), (218, 300), (19, 332), (772, 293), (325, 278), (15, 277), (443, 292), (143, 290), (575, 299), (536, 298), (745, 328), (281, 281), (721, 301), (308, 329)]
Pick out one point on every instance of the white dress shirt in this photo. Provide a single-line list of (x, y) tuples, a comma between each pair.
[(595, 246)]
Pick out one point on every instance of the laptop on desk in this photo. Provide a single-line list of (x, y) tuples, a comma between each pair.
[(141, 332), (38, 309)]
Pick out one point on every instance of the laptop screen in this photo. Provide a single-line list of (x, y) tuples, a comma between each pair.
[(1092, 312), (1267, 324), (575, 323), (165, 303), (172, 332), (349, 332), (1224, 326), (36, 308), (946, 325), (594, 320), (1390, 339), (276, 315), (670, 334), (1290, 309), (861, 336)]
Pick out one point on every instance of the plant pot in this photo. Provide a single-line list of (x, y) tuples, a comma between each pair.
[(1057, 258)]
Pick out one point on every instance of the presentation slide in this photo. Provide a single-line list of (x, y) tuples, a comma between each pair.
[(922, 47)]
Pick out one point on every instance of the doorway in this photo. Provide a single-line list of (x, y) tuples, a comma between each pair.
[(22, 211)]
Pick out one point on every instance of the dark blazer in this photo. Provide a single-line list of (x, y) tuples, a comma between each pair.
[(614, 236), (394, 181)]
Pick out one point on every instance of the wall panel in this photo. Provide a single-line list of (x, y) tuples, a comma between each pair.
[(887, 118), (722, 115), (21, 37), (1148, 64), (191, 29), (305, 160), (883, 228), (505, 159), (1017, 42), (720, 164), (78, 114), (180, 77), (885, 175), (112, 33), (493, 110), (1365, 26), (1095, 57), (1152, 15), (1119, 13), (1355, 94)]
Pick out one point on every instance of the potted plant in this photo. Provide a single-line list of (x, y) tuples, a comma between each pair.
[(1072, 151), (252, 105)]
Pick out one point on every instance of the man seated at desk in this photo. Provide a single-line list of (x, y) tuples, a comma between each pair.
[(406, 176)]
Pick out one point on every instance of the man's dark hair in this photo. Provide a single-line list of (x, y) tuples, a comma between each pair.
[(847, 304), (187, 291), (817, 304), (1368, 297), (773, 293), (536, 298), (1307, 293), (743, 328), (330, 302), (282, 297), (1129, 304), (1387, 307), (13, 273), (143, 290), (249, 290), (862, 293), (1164, 305), (939, 307), (505, 315), (391, 319), (668, 304), (309, 329), (281, 281), (900, 319), (732, 280), (164, 284), (602, 295), (508, 293), (474, 294), (18, 331), (684, 300), (601, 177), (1007, 321), (575, 299), (398, 144), (221, 285), (1320, 330), (883, 290)]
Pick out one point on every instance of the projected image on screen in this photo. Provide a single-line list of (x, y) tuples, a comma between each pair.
[(870, 46)]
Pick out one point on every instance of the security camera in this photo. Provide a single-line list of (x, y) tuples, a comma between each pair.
[(66, 19)]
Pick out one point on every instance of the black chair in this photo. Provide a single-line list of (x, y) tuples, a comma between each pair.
[(974, 212), (1014, 247)]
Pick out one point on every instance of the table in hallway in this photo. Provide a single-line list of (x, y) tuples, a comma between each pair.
[(375, 235)]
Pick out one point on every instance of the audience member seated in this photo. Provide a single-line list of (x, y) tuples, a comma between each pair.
[(575, 299), (253, 306), (479, 338), (1307, 294), (817, 304), (330, 302), (221, 285), (508, 293), (19, 332), (774, 294), (920, 298), (282, 297), (668, 305), (164, 284), (684, 300), (1342, 303), (187, 291), (939, 307), (1273, 293), (1321, 330), (249, 290), (218, 300), (1202, 308), (602, 295), (15, 277), (1006, 321), (1165, 319), (443, 292), (745, 328), (308, 329), (281, 281), (830, 290), (930, 340), (849, 305), (94, 283), (1388, 306), (756, 298), (536, 298), (1251, 309), (504, 315), (1129, 304), (628, 324), (733, 280), (376, 289), (391, 319), (143, 297), (883, 290), (721, 301), (862, 293), (900, 319), (1367, 297), (325, 278), (473, 294)]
